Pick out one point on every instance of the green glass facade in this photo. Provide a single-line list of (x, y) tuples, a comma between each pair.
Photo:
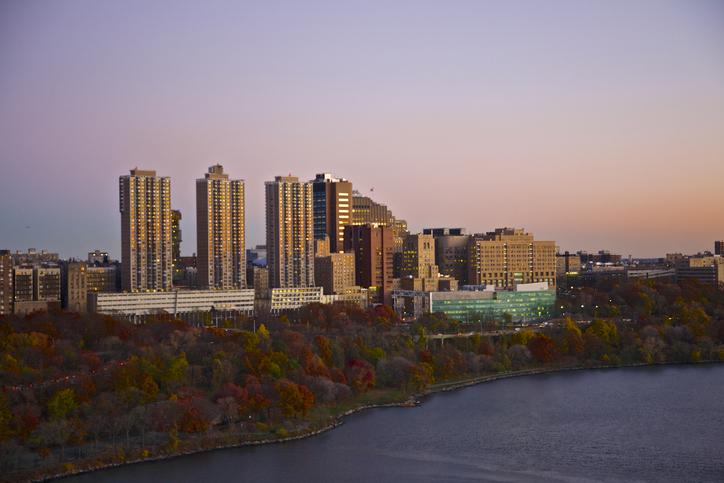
[(520, 305)]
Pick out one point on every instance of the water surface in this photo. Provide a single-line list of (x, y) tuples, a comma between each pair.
[(651, 424)]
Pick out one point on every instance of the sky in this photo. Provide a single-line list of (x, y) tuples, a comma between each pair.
[(596, 124)]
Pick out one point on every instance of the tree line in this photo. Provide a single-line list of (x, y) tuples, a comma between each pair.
[(79, 388)]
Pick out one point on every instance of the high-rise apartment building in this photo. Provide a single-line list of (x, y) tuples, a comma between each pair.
[(46, 281), (102, 279), (373, 247), (6, 283), (23, 281), (176, 246), (508, 257), (719, 248), (289, 233), (36, 288), (221, 250), (146, 236), (332, 206)]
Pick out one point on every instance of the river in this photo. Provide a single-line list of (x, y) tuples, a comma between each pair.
[(647, 424)]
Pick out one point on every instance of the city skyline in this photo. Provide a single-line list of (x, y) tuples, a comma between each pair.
[(595, 125)]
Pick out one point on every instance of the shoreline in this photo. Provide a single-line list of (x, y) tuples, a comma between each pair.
[(338, 419)]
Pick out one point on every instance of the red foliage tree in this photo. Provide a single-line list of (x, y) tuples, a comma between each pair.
[(337, 376), (360, 375), (542, 349), (485, 348)]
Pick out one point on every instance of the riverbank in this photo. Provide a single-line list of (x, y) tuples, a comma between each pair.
[(338, 419)]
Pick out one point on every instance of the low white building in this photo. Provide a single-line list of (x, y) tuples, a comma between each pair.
[(172, 302), (281, 299)]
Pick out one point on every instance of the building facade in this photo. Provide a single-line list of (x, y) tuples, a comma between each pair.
[(176, 237), (418, 257), (567, 263), (7, 292), (508, 257), (489, 306), (451, 256), (77, 287), (98, 256), (146, 235), (221, 250), (176, 303), (36, 288), (708, 270), (335, 273), (332, 207), (373, 248), (289, 233), (286, 299), (366, 211), (23, 281)]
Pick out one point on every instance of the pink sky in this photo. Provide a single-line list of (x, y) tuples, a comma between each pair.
[(599, 125)]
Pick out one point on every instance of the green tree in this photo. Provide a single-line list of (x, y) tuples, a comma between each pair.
[(249, 340), (61, 403), (7, 420), (606, 331), (522, 337)]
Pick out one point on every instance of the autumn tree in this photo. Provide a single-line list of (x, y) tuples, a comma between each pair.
[(652, 346), (360, 375), (222, 372), (522, 337), (394, 371), (606, 331), (323, 347), (421, 375), (519, 355), (290, 398), (542, 349), (485, 347), (450, 362)]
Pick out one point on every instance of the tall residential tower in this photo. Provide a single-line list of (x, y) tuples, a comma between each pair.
[(146, 237), (221, 254), (289, 233)]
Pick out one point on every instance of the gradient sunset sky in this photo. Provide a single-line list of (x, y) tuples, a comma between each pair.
[(597, 124)]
